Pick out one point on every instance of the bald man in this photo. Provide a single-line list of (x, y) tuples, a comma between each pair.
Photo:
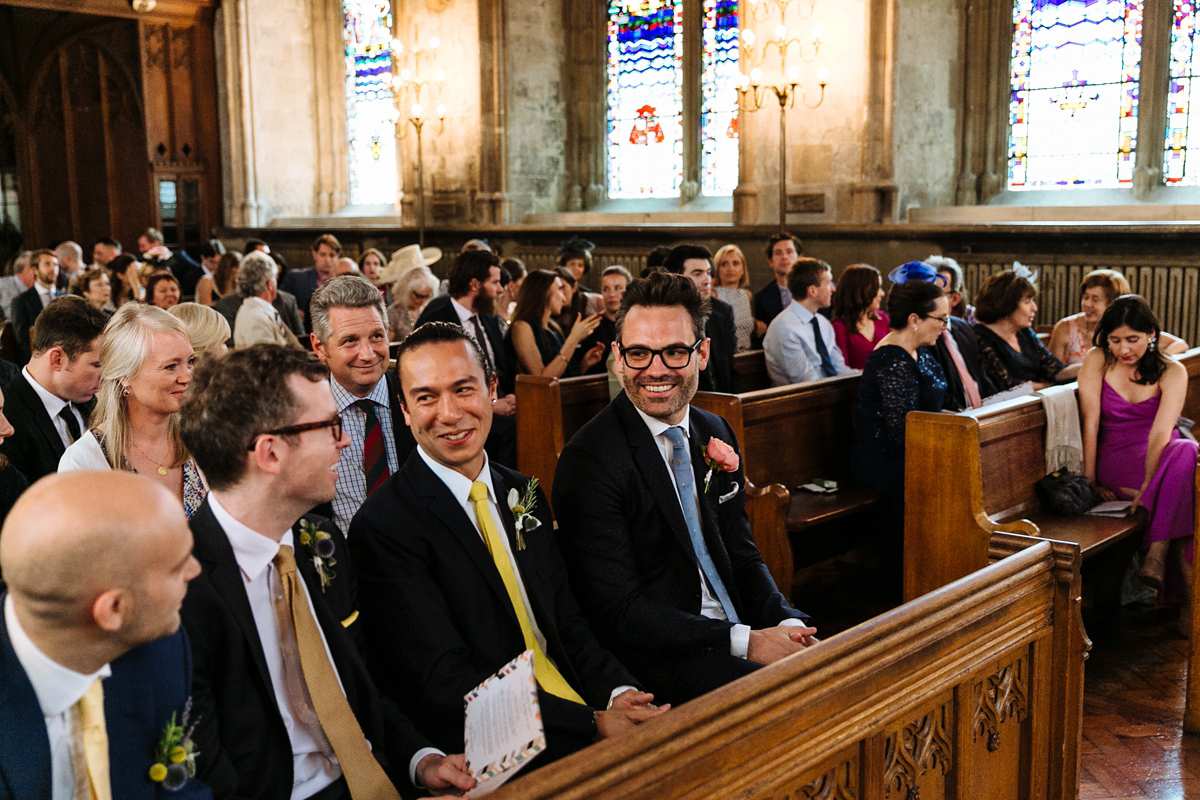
[(93, 664)]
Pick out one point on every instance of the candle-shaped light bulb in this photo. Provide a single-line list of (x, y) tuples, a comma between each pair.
[(441, 111), (793, 74), (434, 42), (394, 115), (416, 109), (781, 31), (818, 32), (397, 46), (440, 75), (405, 75), (823, 75), (748, 38), (397, 81), (743, 80), (755, 76)]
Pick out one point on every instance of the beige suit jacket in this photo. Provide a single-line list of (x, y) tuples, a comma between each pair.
[(258, 322)]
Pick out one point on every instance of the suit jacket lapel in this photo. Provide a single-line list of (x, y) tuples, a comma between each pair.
[(525, 567), (44, 424), (24, 743)]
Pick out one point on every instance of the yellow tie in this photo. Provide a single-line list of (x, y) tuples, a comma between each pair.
[(548, 676), (364, 776), (95, 741)]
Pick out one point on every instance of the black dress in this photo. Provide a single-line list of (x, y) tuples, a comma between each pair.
[(892, 384), (549, 345), (1006, 367)]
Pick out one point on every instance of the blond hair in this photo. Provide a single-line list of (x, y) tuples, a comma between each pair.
[(724, 251), (128, 338), (207, 328)]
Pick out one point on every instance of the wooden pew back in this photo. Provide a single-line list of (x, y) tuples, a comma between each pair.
[(549, 411), (751, 368), (973, 691)]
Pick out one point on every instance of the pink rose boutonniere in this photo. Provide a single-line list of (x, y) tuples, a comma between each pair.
[(719, 455)]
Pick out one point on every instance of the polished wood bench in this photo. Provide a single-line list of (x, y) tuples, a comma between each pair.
[(972, 691)]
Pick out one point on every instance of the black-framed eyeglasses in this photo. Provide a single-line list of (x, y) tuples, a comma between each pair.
[(674, 356), (944, 320), (334, 423)]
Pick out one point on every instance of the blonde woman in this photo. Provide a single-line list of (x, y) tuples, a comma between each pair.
[(410, 293), (147, 358), (207, 329), (732, 285)]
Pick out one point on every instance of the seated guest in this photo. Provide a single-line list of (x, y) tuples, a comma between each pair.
[(301, 283), (124, 271), (612, 286), (858, 324), (695, 263), (162, 290), (732, 286), (211, 253), (534, 341), (23, 277), (575, 254), (207, 330), (346, 266), (284, 705), (451, 591), (29, 304), (800, 344), (371, 265), (51, 399), (507, 301), (147, 364), (231, 302), (95, 287), (12, 481), (93, 666), (1009, 350), (105, 250), (782, 251), (471, 302), (674, 588), (258, 321), (411, 292), (578, 303), (955, 289), (70, 264), (223, 282)]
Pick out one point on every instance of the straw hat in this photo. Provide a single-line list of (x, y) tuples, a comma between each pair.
[(405, 259)]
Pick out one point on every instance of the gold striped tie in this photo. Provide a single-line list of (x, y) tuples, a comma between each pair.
[(548, 676), (95, 741)]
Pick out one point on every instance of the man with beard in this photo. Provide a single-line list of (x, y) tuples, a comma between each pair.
[(650, 500)]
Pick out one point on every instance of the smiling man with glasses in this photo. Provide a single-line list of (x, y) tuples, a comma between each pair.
[(656, 538)]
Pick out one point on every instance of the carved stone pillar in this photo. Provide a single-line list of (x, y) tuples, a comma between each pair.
[(235, 112), (874, 196), (994, 175), (329, 106), (490, 206), (693, 59), (586, 26)]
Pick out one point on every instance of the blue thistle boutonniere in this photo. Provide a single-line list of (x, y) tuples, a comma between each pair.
[(521, 505), (320, 549), (175, 756)]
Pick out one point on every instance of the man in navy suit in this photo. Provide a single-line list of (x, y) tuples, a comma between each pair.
[(303, 282), (451, 591), (93, 664), (29, 304), (782, 251), (657, 544)]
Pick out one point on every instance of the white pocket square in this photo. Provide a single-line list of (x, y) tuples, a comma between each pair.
[(725, 498)]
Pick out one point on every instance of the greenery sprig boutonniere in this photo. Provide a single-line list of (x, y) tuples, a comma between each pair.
[(521, 505), (320, 548), (175, 756)]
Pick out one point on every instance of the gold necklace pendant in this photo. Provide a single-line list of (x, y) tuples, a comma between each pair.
[(162, 470)]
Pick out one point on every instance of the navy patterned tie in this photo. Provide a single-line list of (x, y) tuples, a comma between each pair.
[(822, 350), (681, 467)]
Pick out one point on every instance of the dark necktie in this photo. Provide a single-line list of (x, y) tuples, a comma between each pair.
[(375, 466), (822, 350), (481, 339), (68, 417)]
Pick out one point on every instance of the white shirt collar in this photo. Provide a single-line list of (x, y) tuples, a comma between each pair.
[(253, 551), (463, 312), (44, 291), (803, 313), (261, 302), (52, 402), (459, 484), (658, 427), (57, 688), (343, 398)]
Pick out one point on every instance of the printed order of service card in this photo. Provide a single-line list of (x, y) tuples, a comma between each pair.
[(504, 725)]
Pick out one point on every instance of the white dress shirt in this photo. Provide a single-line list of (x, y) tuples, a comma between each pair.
[(45, 293), (791, 351), (465, 315), (351, 482), (460, 487), (58, 689), (54, 404), (710, 606)]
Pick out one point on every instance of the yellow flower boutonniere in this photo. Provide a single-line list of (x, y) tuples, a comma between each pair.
[(175, 756), (320, 549)]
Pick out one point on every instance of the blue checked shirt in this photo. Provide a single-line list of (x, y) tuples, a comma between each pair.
[(351, 483)]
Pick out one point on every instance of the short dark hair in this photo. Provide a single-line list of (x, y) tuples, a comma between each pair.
[(666, 290), (253, 243), (121, 263), (805, 272), (211, 249), (70, 323), (438, 333), (782, 237), (109, 241), (656, 257), (684, 252), (155, 280), (234, 398), (36, 256), (152, 235), (329, 240), (515, 267), (911, 297), (1134, 311), (468, 266), (1000, 296)]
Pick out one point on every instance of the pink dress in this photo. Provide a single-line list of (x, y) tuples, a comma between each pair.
[(1121, 463), (855, 347)]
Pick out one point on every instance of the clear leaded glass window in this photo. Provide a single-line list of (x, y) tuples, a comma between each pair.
[(719, 116), (370, 130), (1073, 112)]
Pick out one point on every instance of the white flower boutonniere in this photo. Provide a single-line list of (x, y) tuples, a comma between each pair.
[(175, 756), (521, 505), (320, 549)]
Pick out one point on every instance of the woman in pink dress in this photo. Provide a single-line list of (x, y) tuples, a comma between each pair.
[(858, 324), (1132, 394)]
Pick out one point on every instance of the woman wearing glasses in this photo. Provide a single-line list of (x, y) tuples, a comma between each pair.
[(147, 362), (1009, 350), (534, 340)]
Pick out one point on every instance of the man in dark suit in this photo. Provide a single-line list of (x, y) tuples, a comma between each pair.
[(783, 250), (29, 304), (303, 282), (656, 540), (285, 706), (90, 630), (694, 262), (452, 590), (49, 401)]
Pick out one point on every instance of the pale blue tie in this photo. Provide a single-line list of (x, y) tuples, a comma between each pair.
[(681, 467)]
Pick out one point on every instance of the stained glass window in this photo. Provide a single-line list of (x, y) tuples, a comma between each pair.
[(1183, 129), (719, 118), (645, 85), (1073, 111), (369, 127)]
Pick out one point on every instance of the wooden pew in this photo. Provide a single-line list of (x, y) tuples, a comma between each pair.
[(972, 691), (751, 367)]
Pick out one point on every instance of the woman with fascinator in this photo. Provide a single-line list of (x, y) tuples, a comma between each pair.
[(1010, 351)]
